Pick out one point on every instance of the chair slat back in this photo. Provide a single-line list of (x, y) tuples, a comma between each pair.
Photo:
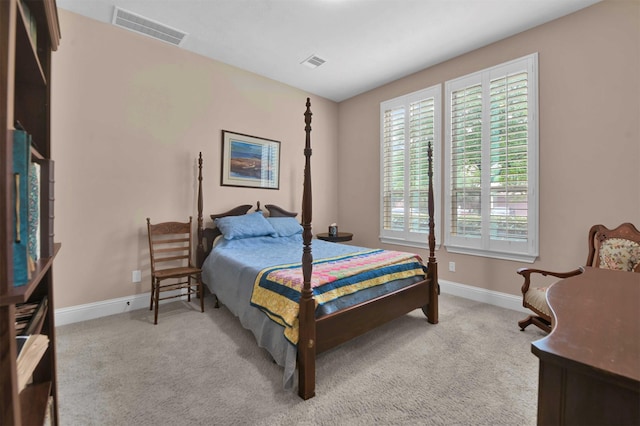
[(170, 243)]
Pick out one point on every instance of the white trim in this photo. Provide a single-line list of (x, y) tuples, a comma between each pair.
[(514, 256), (104, 308), (403, 242), (496, 298)]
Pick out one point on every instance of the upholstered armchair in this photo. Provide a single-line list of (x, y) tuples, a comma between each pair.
[(617, 248)]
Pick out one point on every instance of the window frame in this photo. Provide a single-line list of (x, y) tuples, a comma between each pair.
[(526, 251), (407, 237)]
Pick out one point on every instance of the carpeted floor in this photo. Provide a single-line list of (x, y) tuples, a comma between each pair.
[(473, 368)]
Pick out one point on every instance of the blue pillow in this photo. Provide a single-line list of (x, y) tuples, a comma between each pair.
[(245, 226), (285, 226)]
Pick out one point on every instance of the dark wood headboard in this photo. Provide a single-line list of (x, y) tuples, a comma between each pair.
[(276, 211)]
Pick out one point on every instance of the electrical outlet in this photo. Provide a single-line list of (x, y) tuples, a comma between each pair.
[(136, 276), (452, 266)]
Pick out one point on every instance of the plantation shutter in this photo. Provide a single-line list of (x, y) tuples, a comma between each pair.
[(466, 161), (509, 165), (393, 165), (421, 130)]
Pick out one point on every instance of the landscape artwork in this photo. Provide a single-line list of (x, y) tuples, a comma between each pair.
[(250, 161)]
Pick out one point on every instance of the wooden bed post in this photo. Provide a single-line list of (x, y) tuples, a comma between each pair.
[(200, 249), (306, 316), (432, 268)]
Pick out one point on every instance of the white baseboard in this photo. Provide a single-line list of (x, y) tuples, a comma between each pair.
[(102, 309), (141, 301), (503, 300)]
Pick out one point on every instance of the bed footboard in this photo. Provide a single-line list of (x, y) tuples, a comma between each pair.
[(342, 326)]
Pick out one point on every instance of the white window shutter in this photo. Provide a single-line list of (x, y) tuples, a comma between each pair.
[(491, 175), (408, 123)]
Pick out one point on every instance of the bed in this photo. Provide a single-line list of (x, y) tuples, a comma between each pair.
[(264, 274)]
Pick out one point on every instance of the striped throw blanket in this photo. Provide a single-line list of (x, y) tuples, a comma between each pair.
[(277, 289)]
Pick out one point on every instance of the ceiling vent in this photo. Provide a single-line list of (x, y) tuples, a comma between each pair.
[(139, 24), (313, 61)]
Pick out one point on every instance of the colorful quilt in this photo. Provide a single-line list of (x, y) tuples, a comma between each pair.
[(277, 289)]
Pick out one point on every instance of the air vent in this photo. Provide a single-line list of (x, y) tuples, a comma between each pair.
[(139, 24), (313, 61)]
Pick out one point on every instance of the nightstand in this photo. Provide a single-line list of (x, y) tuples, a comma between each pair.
[(341, 237)]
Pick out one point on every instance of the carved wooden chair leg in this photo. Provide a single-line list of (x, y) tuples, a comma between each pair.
[(525, 322)]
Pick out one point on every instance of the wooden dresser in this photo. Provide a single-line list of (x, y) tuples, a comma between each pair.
[(590, 363)]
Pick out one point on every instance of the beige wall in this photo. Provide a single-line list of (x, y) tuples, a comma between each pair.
[(130, 115), (589, 68)]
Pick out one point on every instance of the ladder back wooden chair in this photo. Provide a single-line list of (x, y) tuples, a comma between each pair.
[(617, 248), (171, 250)]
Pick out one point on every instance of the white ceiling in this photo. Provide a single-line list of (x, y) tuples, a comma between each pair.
[(366, 43)]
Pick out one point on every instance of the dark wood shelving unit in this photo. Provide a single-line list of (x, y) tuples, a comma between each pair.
[(22, 293), (29, 33)]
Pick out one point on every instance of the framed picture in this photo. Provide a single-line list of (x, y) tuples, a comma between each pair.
[(250, 161)]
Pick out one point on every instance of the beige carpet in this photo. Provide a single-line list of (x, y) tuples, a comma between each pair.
[(473, 368)]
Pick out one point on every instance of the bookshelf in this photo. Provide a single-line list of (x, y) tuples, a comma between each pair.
[(29, 33)]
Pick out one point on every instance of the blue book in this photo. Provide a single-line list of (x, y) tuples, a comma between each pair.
[(20, 207)]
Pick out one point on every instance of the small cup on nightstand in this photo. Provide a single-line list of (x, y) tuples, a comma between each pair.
[(333, 230)]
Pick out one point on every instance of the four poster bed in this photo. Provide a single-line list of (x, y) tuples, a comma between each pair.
[(298, 309)]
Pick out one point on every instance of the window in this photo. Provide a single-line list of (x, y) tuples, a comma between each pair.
[(407, 124), (491, 162)]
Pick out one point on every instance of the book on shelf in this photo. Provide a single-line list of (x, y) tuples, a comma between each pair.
[(46, 207), (24, 314), (30, 352), (26, 208), (29, 316), (22, 265)]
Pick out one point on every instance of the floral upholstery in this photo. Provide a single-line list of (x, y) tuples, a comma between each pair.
[(619, 254)]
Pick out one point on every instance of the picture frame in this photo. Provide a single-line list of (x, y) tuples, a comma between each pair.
[(250, 161)]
